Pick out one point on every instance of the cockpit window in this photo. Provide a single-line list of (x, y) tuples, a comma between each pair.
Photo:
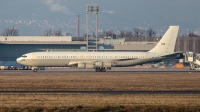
[(24, 56)]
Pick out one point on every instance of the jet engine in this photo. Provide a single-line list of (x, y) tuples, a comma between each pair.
[(105, 64), (86, 66)]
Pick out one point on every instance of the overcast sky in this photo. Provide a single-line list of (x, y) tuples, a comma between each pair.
[(32, 17)]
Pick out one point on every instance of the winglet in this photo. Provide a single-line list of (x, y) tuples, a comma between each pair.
[(167, 43)]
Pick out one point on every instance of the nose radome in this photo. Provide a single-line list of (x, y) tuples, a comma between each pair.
[(18, 60)]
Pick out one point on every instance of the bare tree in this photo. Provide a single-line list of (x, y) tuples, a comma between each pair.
[(138, 32), (11, 32), (184, 35), (47, 33), (58, 33), (192, 34), (121, 34), (101, 34), (108, 33), (128, 34), (52, 33), (150, 32)]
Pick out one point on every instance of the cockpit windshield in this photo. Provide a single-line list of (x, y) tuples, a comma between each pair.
[(24, 56)]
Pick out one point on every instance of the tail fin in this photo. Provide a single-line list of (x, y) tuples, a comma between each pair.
[(167, 43)]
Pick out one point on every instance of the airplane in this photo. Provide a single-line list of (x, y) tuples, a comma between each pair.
[(102, 61)]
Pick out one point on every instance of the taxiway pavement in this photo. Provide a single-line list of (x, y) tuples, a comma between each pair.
[(90, 71)]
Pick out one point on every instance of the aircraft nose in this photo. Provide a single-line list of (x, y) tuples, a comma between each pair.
[(18, 60)]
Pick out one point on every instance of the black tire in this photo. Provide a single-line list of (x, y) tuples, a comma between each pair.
[(34, 70), (97, 69), (103, 69)]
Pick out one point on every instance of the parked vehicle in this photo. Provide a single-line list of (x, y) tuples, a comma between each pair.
[(11, 67), (3, 67)]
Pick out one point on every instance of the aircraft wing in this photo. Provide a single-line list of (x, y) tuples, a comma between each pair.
[(176, 55), (125, 59), (75, 63)]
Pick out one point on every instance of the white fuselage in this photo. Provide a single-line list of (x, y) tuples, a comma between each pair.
[(59, 59)]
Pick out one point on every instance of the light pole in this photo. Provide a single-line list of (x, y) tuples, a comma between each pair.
[(92, 9)]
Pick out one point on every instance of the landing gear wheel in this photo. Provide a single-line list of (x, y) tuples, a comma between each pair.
[(108, 68), (103, 70), (97, 69), (34, 70)]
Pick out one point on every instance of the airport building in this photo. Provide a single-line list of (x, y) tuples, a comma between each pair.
[(12, 47)]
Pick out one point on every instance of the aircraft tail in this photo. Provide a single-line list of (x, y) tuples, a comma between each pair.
[(167, 43)]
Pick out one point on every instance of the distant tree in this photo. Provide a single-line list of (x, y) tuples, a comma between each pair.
[(128, 34), (101, 34), (58, 33), (184, 35), (138, 32), (11, 32), (68, 34), (121, 34), (150, 32), (52, 33), (47, 33), (192, 34), (108, 33)]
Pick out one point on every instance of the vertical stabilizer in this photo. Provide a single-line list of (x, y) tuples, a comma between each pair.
[(167, 43)]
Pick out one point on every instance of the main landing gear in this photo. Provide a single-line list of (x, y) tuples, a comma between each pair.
[(34, 70), (98, 69)]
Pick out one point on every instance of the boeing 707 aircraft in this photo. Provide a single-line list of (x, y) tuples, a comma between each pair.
[(100, 61)]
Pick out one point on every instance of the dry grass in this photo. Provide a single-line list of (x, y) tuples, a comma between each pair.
[(106, 81), (99, 102), (92, 100)]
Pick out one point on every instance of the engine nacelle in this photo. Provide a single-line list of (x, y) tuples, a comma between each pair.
[(32, 68), (86, 66)]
